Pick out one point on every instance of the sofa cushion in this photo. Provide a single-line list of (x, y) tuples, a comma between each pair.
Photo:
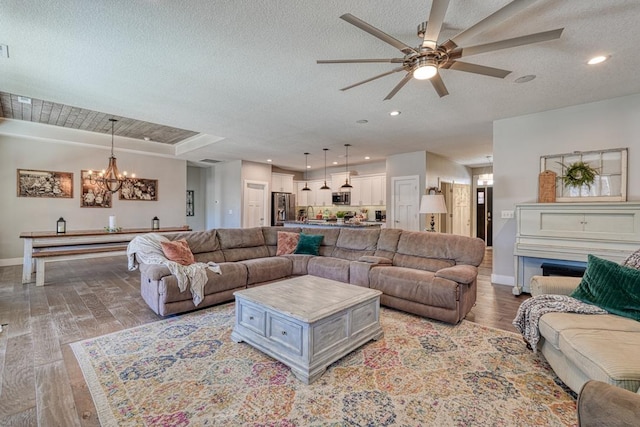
[(308, 244), (238, 244), (199, 241), (287, 242), (330, 237), (610, 286), (354, 243), (271, 237), (441, 250), (178, 251), (415, 285), (329, 268), (234, 275), (551, 325), (266, 269), (609, 356), (388, 242)]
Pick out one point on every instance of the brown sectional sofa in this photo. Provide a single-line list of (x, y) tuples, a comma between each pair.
[(428, 274)]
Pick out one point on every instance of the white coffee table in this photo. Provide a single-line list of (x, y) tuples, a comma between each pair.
[(307, 322)]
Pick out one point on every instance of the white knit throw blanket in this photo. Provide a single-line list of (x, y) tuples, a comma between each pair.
[(147, 249), (528, 317)]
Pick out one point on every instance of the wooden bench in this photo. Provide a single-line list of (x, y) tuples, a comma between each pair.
[(67, 253), (43, 247)]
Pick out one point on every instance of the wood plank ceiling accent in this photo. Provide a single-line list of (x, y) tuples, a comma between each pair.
[(52, 113)]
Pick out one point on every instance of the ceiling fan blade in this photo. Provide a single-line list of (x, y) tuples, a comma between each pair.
[(479, 69), (399, 86), (439, 86), (434, 23), (377, 33), (516, 41), (500, 15), (359, 61), (395, 70)]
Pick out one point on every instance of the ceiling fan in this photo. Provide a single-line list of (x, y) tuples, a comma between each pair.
[(426, 60)]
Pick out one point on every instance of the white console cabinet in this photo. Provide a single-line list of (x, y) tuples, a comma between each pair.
[(572, 231)]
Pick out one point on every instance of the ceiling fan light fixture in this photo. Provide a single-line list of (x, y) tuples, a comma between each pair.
[(597, 60), (426, 69)]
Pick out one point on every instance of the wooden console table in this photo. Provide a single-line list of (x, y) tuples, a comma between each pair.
[(46, 246)]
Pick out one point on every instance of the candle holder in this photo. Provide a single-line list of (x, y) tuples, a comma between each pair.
[(61, 226)]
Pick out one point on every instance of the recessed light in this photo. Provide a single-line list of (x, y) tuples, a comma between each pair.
[(597, 60), (394, 113), (335, 163), (308, 166), (269, 160), (525, 79), (367, 158), (362, 121)]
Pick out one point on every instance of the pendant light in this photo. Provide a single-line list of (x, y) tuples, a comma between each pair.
[(346, 186), (306, 166), (325, 186), (110, 179)]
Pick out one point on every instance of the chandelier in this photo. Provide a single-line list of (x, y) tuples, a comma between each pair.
[(110, 179)]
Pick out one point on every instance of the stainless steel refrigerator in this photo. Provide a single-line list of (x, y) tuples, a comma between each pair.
[(283, 208)]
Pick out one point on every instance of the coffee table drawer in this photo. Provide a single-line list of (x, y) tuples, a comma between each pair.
[(285, 333), (252, 318)]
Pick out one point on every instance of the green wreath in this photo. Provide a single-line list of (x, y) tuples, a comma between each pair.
[(579, 174)]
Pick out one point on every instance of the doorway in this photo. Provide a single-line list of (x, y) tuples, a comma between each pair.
[(484, 215), (255, 204), (406, 203), (457, 220)]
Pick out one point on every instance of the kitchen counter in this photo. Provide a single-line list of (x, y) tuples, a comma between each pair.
[(330, 224)]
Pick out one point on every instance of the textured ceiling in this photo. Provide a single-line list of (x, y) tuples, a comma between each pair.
[(243, 73)]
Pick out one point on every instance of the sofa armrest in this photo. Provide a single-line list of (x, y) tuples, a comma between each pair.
[(375, 260), (559, 285), (459, 273), (602, 404), (154, 271)]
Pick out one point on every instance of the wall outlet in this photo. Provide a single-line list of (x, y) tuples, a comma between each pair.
[(506, 215)]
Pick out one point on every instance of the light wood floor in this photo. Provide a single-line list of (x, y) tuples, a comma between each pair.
[(41, 383)]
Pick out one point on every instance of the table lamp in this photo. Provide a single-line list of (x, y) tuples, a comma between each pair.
[(433, 204)]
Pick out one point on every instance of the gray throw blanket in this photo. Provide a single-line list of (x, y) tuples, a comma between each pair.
[(148, 250), (529, 314)]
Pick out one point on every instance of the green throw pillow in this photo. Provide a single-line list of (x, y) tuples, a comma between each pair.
[(309, 244), (610, 286)]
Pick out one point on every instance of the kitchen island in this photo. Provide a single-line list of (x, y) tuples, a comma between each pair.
[(315, 223)]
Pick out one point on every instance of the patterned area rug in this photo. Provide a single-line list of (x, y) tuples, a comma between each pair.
[(186, 371)]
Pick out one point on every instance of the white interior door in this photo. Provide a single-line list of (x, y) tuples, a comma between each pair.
[(406, 203), (461, 210), (255, 204)]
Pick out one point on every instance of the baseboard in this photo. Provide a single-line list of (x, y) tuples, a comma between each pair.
[(498, 279), (10, 261)]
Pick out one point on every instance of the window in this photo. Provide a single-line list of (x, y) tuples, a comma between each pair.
[(610, 184)]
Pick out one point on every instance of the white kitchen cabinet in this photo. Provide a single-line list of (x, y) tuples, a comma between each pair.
[(378, 190), (368, 190), (318, 197), (282, 183), (302, 197)]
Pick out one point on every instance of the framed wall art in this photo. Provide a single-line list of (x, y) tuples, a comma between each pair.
[(139, 189), (92, 194), (38, 183), (589, 176), (190, 203)]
